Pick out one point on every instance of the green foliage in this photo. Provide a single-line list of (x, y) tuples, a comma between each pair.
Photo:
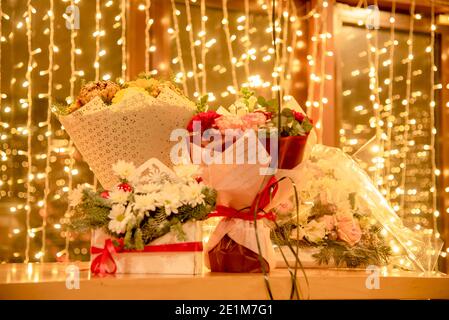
[(138, 239), (370, 250), (152, 229), (269, 105), (360, 255), (307, 125), (61, 109), (319, 209), (246, 93), (291, 126), (201, 105), (281, 235), (92, 212), (176, 227)]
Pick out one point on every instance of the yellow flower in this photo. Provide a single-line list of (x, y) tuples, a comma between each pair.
[(143, 83), (123, 93)]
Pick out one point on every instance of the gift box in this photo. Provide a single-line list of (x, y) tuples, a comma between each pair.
[(165, 255)]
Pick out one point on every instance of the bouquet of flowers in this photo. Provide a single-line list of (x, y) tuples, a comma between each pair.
[(148, 223), (261, 116), (132, 121), (343, 220), (228, 140)]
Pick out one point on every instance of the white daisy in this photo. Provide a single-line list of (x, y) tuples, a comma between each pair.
[(192, 194), (119, 218), (124, 170), (170, 198), (187, 172), (146, 202), (119, 196)]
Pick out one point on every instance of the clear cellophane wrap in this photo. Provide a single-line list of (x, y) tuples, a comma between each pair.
[(413, 249)]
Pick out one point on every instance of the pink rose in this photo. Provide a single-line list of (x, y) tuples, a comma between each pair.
[(228, 122), (348, 230), (329, 221), (254, 120)]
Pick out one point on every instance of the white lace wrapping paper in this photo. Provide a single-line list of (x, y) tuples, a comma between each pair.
[(134, 130)]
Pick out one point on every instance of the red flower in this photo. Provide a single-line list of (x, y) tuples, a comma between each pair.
[(206, 119), (105, 194), (299, 116), (125, 187), (199, 179)]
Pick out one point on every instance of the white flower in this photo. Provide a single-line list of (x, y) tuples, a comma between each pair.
[(315, 231), (76, 195), (157, 177), (119, 196), (170, 198), (192, 194), (124, 170), (187, 172), (146, 202), (239, 108), (120, 217), (147, 188), (252, 101)]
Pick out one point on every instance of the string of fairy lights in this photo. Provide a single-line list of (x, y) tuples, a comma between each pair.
[(397, 125), (48, 133), (36, 190), (389, 101), (193, 66)]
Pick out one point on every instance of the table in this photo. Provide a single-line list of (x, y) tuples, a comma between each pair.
[(48, 281)]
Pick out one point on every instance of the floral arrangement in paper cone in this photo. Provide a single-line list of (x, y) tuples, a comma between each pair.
[(130, 121), (239, 243), (251, 113)]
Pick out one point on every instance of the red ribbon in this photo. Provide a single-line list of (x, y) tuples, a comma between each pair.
[(104, 263), (262, 200)]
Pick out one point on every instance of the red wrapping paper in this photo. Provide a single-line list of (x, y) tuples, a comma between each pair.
[(291, 151), (229, 256)]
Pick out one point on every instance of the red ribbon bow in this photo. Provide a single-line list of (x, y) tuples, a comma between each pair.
[(262, 200), (104, 263)]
